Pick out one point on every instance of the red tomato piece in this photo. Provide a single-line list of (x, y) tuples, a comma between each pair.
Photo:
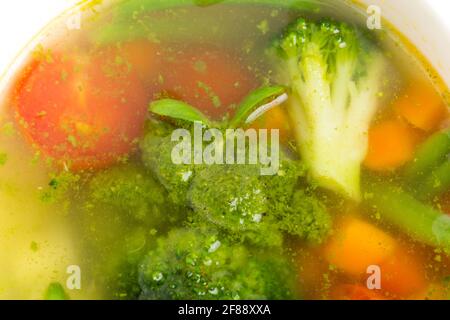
[(84, 110), (211, 79), (144, 57)]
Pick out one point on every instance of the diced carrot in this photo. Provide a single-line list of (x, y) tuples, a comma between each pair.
[(356, 245), (275, 118), (421, 106), (391, 144), (355, 292), (402, 274)]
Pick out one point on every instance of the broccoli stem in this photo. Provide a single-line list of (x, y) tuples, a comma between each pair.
[(421, 222), (436, 183), (430, 154)]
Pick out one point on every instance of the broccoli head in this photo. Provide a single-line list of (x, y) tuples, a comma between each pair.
[(306, 218), (230, 196), (156, 155), (124, 208), (335, 78), (195, 264), (280, 187), (236, 198), (127, 190), (233, 197)]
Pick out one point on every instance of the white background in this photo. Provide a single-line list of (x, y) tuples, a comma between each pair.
[(20, 20)]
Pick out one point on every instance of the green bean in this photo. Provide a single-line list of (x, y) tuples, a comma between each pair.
[(430, 155), (418, 220), (436, 183), (127, 25), (128, 7)]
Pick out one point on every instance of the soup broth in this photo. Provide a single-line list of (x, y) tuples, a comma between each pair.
[(91, 207)]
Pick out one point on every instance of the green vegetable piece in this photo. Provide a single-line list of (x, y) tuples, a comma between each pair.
[(429, 155), (296, 212), (419, 221), (205, 3), (230, 196), (55, 291), (235, 199), (128, 190), (195, 264), (178, 110), (253, 101), (281, 187), (130, 20), (436, 183), (335, 80), (307, 218), (176, 179), (128, 7), (121, 205)]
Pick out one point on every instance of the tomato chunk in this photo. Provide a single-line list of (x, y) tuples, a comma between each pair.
[(83, 110), (211, 79)]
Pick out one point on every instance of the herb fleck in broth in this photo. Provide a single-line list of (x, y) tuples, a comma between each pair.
[(86, 177)]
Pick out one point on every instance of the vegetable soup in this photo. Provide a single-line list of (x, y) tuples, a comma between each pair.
[(236, 149)]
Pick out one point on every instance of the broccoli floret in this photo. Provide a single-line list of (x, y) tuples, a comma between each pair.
[(234, 198), (296, 212), (129, 190), (195, 264), (156, 155), (113, 246), (280, 187), (113, 258), (122, 278), (335, 78), (123, 209), (230, 196), (237, 198), (306, 218)]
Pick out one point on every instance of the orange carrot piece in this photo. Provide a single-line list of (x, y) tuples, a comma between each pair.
[(356, 245), (421, 106), (275, 118), (403, 274), (391, 144)]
